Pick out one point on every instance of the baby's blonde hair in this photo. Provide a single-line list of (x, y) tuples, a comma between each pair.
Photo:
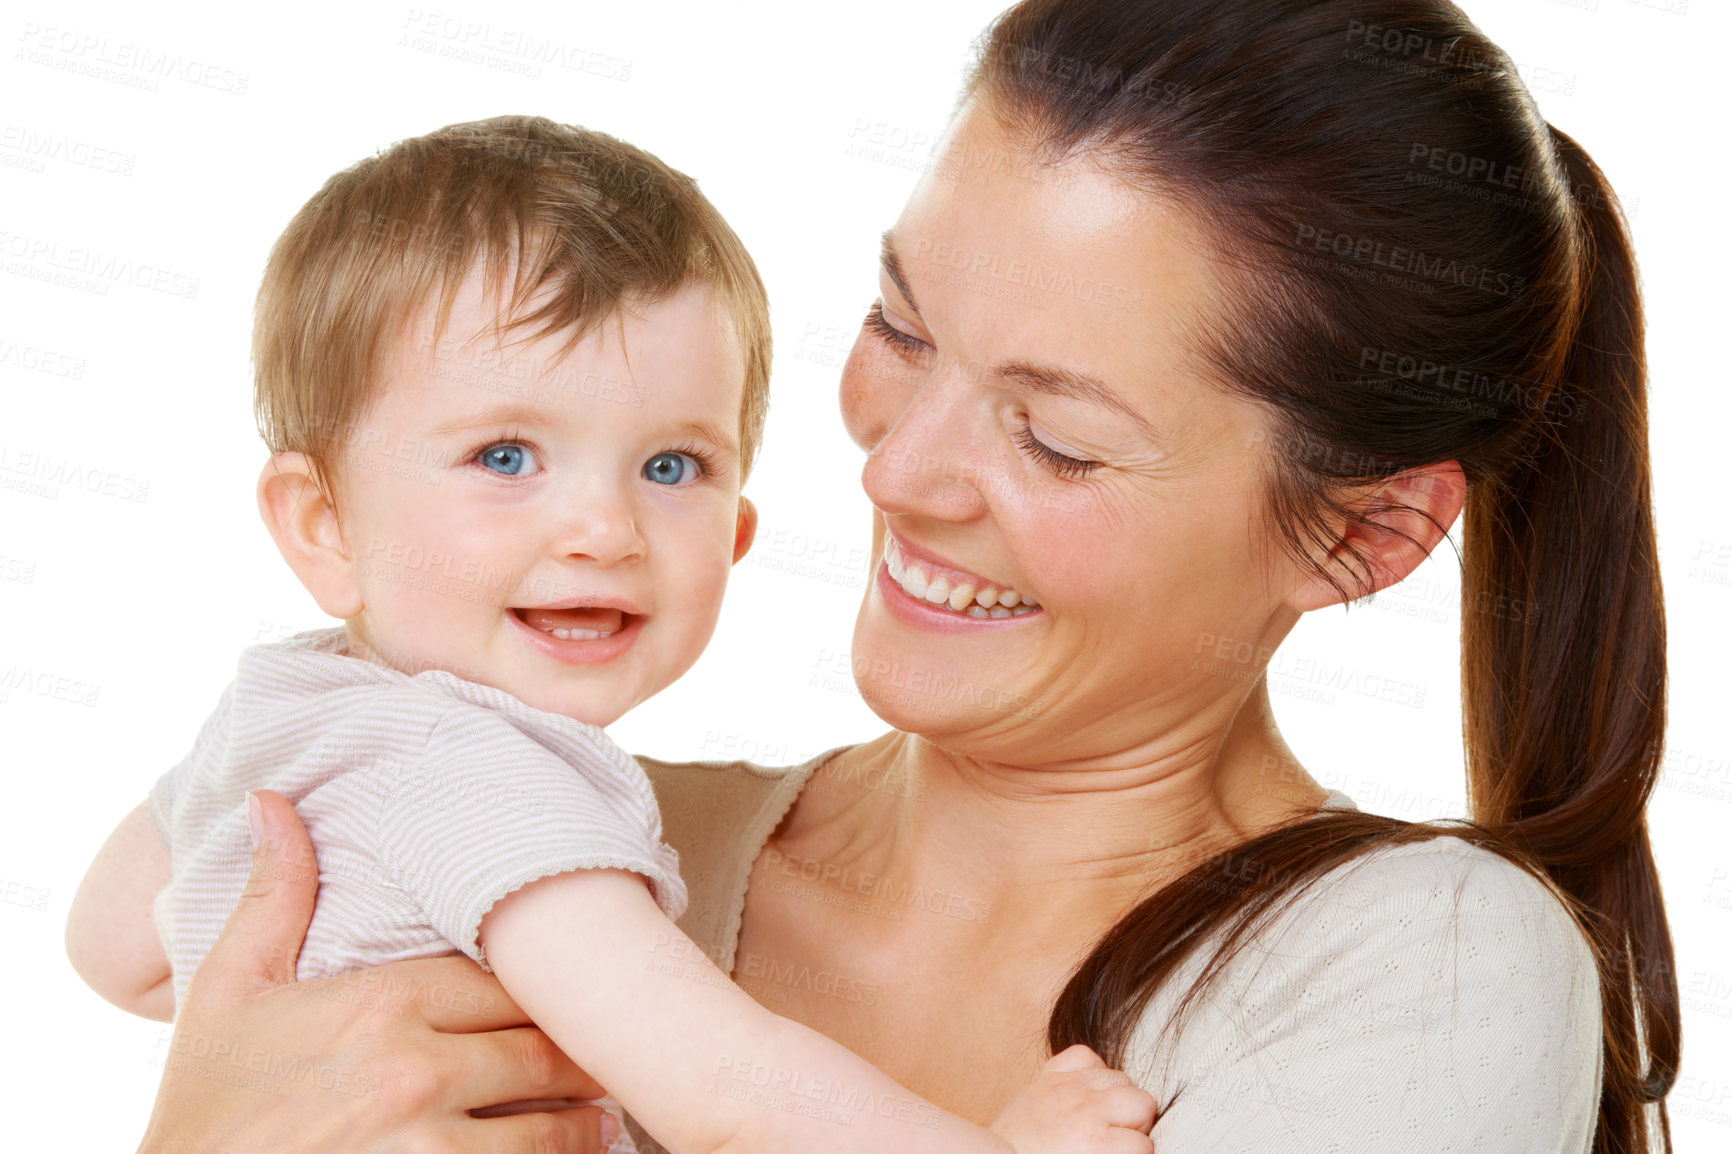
[(582, 219)]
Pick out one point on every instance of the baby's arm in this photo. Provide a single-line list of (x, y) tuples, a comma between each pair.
[(707, 1070), (110, 934)]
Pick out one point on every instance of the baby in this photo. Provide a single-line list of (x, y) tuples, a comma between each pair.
[(513, 374)]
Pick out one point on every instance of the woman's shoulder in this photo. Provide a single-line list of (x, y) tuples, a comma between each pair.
[(706, 803), (717, 815), (1446, 880), (1416, 983), (1464, 911)]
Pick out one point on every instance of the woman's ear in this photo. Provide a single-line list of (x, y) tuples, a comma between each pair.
[(303, 522), (745, 529), (1400, 521)]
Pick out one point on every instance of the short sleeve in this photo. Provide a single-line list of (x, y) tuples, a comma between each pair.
[(212, 737), (1433, 997), (486, 809)]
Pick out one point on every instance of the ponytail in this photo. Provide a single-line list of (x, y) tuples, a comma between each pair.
[(1565, 707), (1523, 308)]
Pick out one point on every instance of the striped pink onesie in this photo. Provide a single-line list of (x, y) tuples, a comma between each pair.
[(428, 798)]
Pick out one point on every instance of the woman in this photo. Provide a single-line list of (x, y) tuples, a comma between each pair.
[(1197, 325)]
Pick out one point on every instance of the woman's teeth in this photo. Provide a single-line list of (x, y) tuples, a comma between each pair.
[(972, 599)]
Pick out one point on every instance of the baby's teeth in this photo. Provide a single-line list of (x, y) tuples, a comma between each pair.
[(580, 634), (1009, 597), (998, 611), (976, 611), (1027, 600), (939, 591), (1021, 611), (960, 596), (987, 596), (562, 634)]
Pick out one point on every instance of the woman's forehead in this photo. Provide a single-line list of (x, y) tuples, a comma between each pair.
[(1085, 274), (997, 219)]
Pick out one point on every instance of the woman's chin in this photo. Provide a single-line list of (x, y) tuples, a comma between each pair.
[(928, 684)]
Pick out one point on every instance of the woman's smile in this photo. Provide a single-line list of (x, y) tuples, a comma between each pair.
[(947, 588)]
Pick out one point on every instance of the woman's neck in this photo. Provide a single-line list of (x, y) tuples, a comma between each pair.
[(1067, 848)]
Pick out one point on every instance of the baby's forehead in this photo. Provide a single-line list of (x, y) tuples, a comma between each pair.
[(667, 369)]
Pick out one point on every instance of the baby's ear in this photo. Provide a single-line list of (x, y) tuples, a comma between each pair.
[(303, 522), (745, 529)]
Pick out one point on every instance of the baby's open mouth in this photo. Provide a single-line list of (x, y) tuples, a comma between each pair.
[(587, 623)]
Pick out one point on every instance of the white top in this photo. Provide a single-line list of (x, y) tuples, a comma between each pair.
[(428, 798), (1429, 997), (1433, 997)]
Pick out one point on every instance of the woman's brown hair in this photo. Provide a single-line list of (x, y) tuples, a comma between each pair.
[(1427, 272)]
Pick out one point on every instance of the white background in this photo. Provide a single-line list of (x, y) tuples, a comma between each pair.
[(142, 605)]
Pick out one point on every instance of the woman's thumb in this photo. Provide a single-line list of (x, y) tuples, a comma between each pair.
[(263, 936)]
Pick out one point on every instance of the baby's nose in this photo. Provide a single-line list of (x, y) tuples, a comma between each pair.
[(602, 529)]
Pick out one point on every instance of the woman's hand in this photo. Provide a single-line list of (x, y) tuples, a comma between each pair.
[(386, 1059)]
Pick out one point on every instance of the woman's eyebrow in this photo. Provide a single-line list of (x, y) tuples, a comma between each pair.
[(1049, 379), (893, 268), (1077, 386)]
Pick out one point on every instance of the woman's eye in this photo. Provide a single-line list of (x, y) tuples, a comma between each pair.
[(509, 459), (1060, 463), (889, 333), (670, 468)]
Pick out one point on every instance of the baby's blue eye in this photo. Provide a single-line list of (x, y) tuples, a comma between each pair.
[(670, 468), (508, 459)]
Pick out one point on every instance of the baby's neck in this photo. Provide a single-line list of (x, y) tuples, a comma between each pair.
[(358, 645)]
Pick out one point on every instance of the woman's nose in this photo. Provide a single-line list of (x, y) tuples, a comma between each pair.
[(925, 459)]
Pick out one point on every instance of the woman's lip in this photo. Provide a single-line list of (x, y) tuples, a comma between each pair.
[(924, 615), (597, 652), (934, 564)]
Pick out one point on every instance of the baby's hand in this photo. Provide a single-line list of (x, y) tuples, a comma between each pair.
[(1077, 1105)]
